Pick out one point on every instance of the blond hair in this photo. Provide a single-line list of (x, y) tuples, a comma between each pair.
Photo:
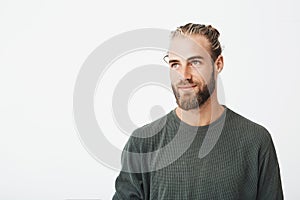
[(209, 32)]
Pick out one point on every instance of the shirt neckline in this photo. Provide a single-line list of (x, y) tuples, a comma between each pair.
[(214, 123)]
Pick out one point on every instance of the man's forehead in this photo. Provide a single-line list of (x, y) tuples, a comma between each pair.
[(188, 46)]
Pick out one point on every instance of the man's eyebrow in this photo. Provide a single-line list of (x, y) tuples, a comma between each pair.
[(190, 58), (195, 57), (173, 60)]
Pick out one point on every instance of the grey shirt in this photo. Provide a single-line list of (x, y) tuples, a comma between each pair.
[(232, 158)]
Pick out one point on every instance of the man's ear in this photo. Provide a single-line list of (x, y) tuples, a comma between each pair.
[(219, 63)]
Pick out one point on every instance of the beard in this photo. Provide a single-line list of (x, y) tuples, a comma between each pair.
[(195, 99)]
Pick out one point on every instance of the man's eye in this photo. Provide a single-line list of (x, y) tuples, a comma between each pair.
[(196, 62), (174, 65)]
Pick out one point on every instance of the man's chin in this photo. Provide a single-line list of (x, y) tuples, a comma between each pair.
[(188, 109), (188, 106)]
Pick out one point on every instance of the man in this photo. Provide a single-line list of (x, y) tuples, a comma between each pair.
[(201, 149)]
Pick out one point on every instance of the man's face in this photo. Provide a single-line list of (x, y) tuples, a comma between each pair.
[(191, 71)]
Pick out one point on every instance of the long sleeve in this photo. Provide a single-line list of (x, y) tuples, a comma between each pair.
[(128, 185), (269, 186)]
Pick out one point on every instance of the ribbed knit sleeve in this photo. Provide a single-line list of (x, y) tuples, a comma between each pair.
[(130, 185), (269, 182)]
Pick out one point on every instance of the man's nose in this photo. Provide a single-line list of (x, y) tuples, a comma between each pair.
[(185, 72)]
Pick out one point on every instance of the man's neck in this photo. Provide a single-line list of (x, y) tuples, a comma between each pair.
[(207, 113)]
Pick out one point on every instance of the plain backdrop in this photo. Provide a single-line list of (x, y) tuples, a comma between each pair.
[(43, 45)]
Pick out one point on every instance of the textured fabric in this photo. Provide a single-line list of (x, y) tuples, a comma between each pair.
[(232, 158)]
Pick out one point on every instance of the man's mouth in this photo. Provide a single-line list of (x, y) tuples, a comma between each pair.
[(186, 87)]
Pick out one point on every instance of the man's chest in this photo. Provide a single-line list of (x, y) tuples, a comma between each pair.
[(219, 175)]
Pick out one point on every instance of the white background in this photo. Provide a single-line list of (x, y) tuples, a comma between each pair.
[(44, 43)]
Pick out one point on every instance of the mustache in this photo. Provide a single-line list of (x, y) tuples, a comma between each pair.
[(186, 84)]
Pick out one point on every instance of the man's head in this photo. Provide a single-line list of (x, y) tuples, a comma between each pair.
[(194, 58)]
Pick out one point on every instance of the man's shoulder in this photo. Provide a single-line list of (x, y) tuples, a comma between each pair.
[(242, 121), (247, 130), (149, 135), (152, 128)]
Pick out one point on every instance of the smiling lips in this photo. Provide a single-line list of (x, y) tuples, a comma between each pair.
[(186, 87)]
